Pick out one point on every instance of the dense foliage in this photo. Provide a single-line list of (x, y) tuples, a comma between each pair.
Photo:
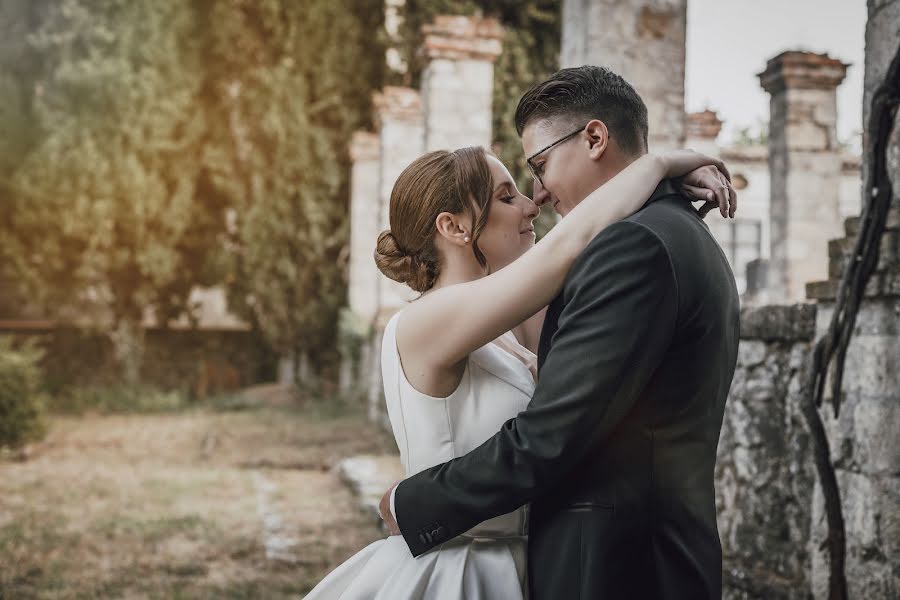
[(150, 147), (20, 403)]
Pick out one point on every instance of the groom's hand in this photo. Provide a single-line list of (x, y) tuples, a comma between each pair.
[(385, 512)]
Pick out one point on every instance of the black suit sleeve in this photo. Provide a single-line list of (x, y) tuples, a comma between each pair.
[(618, 321)]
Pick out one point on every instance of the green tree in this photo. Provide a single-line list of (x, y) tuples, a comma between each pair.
[(17, 66), (107, 219), (292, 81), (758, 135)]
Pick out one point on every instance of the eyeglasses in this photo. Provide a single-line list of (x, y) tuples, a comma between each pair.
[(537, 171)]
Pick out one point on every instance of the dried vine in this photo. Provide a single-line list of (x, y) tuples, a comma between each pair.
[(877, 198)]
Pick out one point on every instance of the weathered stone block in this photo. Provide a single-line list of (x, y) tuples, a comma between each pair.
[(794, 322), (878, 318), (873, 365), (840, 251), (763, 477), (882, 285), (875, 425), (871, 508), (853, 224)]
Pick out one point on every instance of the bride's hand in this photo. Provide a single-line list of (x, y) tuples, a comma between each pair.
[(704, 178), (712, 187)]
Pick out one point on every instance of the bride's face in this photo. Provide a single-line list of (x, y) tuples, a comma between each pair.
[(509, 231)]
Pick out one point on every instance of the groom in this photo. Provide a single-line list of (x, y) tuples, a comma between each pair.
[(616, 450)]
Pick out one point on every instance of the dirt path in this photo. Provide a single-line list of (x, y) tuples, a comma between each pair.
[(193, 505)]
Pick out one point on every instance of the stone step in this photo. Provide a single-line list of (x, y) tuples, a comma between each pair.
[(852, 225), (840, 250), (885, 284), (369, 476)]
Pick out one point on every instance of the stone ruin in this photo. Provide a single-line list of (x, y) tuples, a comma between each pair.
[(788, 250)]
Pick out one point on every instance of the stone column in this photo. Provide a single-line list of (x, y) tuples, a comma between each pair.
[(644, 42), (458, 81), (364, 224), (398, 115), (805, 168), (702, 130), (863, 439)]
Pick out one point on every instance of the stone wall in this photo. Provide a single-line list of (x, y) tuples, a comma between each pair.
[(864, 445), (763, 472), (805, 166), (771, 506), (866, 455)]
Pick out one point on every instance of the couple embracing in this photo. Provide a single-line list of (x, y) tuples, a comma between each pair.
[(557, 405)]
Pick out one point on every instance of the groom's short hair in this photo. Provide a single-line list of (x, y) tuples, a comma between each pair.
[(585, 93)]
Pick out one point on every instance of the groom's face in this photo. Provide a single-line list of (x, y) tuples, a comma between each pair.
[(569, 170)]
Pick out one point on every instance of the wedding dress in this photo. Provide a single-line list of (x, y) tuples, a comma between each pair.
[(488, 561)]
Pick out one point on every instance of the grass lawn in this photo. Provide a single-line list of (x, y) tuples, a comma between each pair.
[(194, 504)]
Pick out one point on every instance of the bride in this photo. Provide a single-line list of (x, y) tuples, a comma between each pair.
[(460, 360)]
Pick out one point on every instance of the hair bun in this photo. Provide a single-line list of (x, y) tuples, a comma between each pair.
[(395, 263)]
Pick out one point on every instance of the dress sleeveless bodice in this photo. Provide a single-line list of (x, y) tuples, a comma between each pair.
[(495, 386), (488, 561)]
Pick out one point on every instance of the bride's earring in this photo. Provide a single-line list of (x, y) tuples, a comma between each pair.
[(466, 239)]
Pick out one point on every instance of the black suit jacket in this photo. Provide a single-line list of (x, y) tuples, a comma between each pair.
[(617, 448)]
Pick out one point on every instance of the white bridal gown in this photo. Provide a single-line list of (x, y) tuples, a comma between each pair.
[(485, 563)]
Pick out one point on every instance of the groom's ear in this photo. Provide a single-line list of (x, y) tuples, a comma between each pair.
[(598, 138)]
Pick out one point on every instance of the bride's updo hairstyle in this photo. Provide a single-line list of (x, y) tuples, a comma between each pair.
[(457, 182)]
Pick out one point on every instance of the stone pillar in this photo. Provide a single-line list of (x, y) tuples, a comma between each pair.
[(458, 81), (757, 278), (364, 224), (805, 168), (398, 115), (644, 42), (863, 439), (702, 130)]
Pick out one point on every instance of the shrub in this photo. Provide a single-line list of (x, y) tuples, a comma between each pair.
[(21, 407), (119, 398)]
